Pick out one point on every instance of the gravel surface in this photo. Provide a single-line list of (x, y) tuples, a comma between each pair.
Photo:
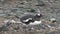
[(49, 8)]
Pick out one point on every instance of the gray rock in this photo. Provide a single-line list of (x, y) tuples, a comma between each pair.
[(3, 28), (53, 20), (2, 14), (53, 32), (1, 11)]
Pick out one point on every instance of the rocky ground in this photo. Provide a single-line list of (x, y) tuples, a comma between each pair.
[(49, 8)]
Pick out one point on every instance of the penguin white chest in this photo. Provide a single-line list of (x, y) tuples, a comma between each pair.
[(35, 23)]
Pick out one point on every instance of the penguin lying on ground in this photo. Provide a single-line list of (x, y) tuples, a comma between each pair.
[(30, 18)]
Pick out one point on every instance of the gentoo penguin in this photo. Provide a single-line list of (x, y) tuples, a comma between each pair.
[(30, 18)]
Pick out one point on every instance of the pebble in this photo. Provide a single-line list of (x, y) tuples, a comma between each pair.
[(1, 0), (53, 20), (32, 28), (53, 32), (14, 30), (1, 11), (2, 15), (52, 29)]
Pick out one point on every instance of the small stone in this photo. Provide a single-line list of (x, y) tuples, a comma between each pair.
[(5, 32), (32, 28), (3, 28), (31, 10), (2, 14), (14, 30), (41, 3), (52, 32), (53, 20), (25, 1), (1, 11), (1, 0), (52, 29)]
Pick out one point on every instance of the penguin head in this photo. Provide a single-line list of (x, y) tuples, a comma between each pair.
[(38, 15)]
